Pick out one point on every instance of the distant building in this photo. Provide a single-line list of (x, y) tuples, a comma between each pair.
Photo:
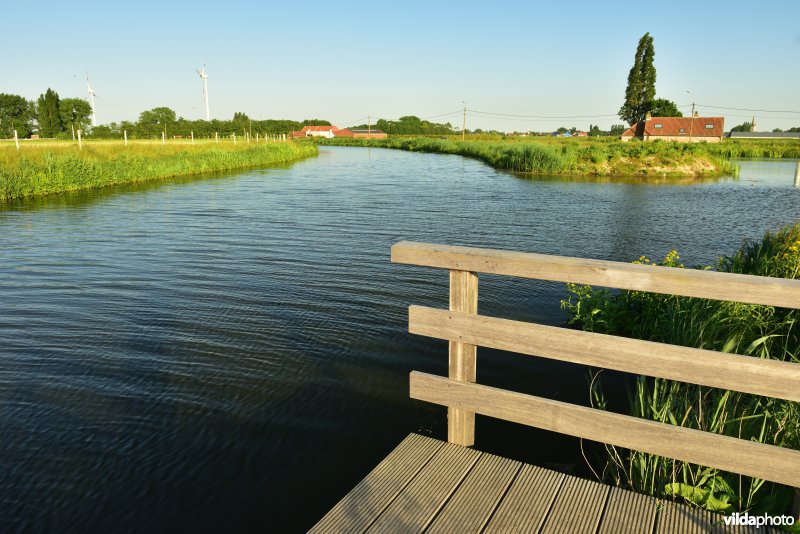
[(333, 131), (764, 135), (315, 131), (371, 134), (690, 129)]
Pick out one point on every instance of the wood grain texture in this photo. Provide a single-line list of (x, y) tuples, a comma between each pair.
[(462, 356), (578, 507), (415, 508), (730, 454), (476, 498), (528, 501), (628, 512), (696, 366), (687, 282), (359, 508)]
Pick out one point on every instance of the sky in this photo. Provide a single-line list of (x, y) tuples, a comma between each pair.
[(349, 60)]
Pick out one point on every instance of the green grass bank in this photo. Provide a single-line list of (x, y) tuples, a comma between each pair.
[(588, 157), (43, 168), (757, 331)]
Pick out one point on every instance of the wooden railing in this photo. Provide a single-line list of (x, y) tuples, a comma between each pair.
[(465, 330)]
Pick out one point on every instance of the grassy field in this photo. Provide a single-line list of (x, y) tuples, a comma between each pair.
[(758, 331), (591, 156), (47, 167)]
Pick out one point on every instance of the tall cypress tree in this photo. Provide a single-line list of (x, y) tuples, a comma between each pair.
[(48, 114), (641, 88)]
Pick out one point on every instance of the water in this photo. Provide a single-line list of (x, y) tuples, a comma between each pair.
[(230, 352)]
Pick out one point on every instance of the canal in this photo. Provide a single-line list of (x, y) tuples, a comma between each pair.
[(230, 352)]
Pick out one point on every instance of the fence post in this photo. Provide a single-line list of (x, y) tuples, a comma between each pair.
[(16, 140), (463, 298), (125, 135), (80, 143)]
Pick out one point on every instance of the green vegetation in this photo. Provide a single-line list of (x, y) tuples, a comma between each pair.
[(661, 107), (640, 94), (410, 125), (755, 148), (43, 168), (546, 155), (757, 331), (641, 89)]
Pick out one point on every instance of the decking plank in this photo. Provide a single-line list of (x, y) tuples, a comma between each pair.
[(417, 505), (628, 512), (577, 508), (476, 498), (681, 519), (359, 508), (525, 506)]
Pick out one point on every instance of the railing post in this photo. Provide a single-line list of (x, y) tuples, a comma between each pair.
[(463, 298)]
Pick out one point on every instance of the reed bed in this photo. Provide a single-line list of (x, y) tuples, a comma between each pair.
[(757, 331), (569, 156), (47, 167)]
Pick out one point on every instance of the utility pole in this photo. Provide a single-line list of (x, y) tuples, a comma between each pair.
[(464, 123), (691, 123), (369, 127)]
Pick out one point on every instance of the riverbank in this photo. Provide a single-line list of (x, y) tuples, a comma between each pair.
[(56, 167), (586, 157)]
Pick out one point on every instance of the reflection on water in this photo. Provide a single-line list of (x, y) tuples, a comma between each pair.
[(215, 354)]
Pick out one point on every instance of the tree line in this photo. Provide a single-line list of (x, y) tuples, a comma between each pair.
[(48, 115)]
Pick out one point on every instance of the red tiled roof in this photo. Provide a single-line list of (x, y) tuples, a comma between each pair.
[(671, 127), (344, 132)]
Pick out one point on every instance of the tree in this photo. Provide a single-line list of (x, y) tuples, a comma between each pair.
[(661, 107), (75, 112), (617, 129), (641, 88), (48, 114), (15, 114), (154, 121), (594, 130), (744, 127)]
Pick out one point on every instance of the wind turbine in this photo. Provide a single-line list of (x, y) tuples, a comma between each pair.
[(91, 99), (204, 77)]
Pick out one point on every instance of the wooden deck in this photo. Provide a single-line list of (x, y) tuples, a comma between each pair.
[(427, 485)]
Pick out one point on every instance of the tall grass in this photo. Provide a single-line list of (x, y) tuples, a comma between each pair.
[(757, 331), (566, 156), (46, 168)]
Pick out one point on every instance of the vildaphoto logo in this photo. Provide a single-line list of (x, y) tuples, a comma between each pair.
[(745, 519)]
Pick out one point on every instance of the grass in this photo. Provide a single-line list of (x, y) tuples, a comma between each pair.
[(559, 156), (757, 331), (48, 167)]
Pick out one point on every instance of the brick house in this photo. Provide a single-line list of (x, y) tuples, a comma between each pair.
[(689, 129)]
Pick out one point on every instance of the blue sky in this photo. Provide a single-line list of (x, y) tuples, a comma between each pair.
[(344, 61)]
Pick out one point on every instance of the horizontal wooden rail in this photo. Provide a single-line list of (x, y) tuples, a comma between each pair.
[(696, 366), (758, 460), (687, 282)]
